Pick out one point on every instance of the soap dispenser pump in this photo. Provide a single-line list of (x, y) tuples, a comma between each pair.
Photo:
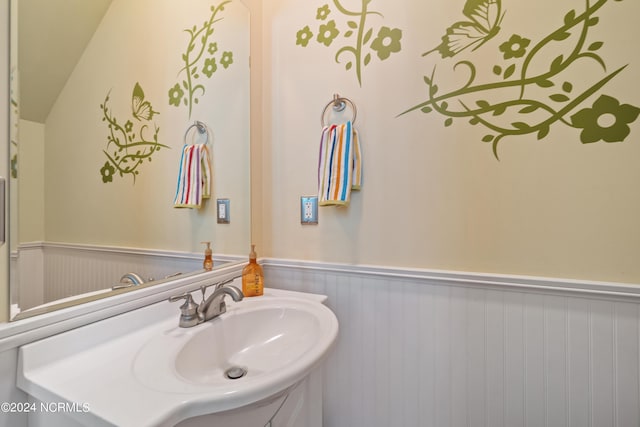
[(207, 264)]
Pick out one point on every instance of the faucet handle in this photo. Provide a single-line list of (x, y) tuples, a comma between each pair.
[(188, 310), (217, 285), (188, 304)]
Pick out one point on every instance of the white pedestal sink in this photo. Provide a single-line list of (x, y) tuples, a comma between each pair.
[(140, 369)]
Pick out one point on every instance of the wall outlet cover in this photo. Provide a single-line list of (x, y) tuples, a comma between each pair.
[(309, 209), (222, 211)]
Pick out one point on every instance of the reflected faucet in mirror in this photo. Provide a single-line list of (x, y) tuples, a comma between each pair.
[(129, 280)]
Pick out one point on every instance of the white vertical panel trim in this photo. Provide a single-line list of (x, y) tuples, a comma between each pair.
[(486, 360), (504, 364), (546, 354), (445, 353), (590, 359), (613, 363), (567, 364)]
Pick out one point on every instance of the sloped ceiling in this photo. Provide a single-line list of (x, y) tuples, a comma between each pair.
[(52, 35)]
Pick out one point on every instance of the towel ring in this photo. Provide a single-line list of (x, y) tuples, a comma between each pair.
[(202, 130), (339, 104)]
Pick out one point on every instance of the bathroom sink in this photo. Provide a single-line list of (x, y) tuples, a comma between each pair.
[(264, 351), (257, 347), (256, 341)]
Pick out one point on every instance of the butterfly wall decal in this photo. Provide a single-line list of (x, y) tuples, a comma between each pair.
[(484, 21), (142, 109)]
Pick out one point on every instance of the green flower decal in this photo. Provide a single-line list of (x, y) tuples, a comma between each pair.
[(227, 59), (606, 120), (129, 146), (199, 57), (327, 33), (303, 36), (210, 67), (550, 95), (323, 12), (175, 95), (515, 47), (387, 42), (354, 30), (107, 172)]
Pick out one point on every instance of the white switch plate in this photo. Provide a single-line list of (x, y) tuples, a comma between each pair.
[(223, 211), (309, 209)]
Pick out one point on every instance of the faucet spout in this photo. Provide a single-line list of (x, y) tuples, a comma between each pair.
[(214, 306)]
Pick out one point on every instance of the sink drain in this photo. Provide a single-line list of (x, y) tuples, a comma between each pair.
[(235, 372)]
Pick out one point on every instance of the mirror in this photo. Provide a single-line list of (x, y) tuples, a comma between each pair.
[(106, 95)]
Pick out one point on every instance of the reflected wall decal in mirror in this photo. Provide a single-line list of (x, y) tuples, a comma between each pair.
[(201, 57), (129, 144), (13, 138), (70, 233)]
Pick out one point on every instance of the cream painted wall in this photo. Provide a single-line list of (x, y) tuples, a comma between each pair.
[(31, 179), (147, 48), (434, 196)]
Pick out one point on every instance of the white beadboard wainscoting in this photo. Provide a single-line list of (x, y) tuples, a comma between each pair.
[(438, 349), (73, 269)]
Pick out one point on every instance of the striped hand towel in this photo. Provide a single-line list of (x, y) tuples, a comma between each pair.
[(194, 177), (339, 165)]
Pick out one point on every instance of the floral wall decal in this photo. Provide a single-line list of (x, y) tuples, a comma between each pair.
[(201, 57), (519, 101), (386, 41), (131, 143)]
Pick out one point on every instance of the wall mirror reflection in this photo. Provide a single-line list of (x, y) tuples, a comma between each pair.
[(105, 97)]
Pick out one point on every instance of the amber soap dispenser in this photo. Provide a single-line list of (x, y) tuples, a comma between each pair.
[(252, 277), (207, 264)]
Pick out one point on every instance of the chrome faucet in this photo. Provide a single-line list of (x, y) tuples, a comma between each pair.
[(128, 280), (212, 307)]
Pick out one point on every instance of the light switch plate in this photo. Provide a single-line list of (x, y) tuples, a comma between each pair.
[(309, 209), (222, 211)]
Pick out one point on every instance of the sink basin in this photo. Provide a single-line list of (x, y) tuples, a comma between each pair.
[(271, 344), (257, 340)]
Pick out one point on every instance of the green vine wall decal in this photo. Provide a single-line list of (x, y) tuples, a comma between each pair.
[(200, 58), (129, 145), (386, 42), (535, 88)]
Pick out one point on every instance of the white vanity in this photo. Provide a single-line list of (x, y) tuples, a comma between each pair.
[(258, 364)]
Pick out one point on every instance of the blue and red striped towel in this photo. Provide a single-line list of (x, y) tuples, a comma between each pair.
[(194, 177), (339, 165)]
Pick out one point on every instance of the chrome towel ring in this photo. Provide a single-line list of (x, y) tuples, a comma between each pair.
[(202, 130), (339, 104)]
